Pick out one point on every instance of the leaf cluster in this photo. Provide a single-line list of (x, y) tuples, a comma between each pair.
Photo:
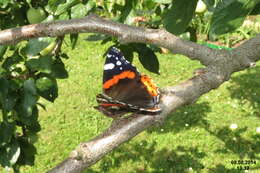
[(28, 71)]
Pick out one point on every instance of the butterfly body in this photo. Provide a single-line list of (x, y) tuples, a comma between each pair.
[(125, 89)]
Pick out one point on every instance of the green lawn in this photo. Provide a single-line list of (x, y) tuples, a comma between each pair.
[(196, 138)]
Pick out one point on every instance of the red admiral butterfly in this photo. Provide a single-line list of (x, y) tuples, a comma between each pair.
[(125, 89)]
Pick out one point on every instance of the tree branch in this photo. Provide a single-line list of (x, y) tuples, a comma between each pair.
[(220, 64), (125, 33)]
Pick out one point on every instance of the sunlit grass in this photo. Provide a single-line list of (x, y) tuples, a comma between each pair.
[(196, 138)]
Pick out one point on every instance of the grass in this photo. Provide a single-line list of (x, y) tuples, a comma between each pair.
[(196, 138)]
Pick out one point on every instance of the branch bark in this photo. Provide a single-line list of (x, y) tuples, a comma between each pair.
[(219, 65)]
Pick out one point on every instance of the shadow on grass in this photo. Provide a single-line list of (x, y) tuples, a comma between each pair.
[(219, 168), (147, 159), (144, 157), (245, 87), (246, 149), (185, 118), (235, 143)]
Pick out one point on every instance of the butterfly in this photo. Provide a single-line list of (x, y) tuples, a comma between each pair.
[(125, 89)]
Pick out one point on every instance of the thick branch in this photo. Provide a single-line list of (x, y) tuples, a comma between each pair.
[(249, 51), (125, 33)]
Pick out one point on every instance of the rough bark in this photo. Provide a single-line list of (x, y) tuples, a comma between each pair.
[(219, 65)]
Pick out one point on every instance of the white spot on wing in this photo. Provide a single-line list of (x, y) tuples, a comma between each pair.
[(121, 68), (118, 63), (109, 66), (109, 55)]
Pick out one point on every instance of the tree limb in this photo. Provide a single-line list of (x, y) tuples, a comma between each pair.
[(219, 65), (125, 33)]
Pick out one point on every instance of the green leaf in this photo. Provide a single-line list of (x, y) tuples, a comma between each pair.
[(6, 132), (34, 127), (3, 72), (29, 98), (11, 61), (3, 160), (42, 64), (193, 34), (10, 154), (29, 87), (4, 3), (130, 18), (13, 152), (52, 6), (48, 50), (28, 152), (58, 69), (65, 6), (91, 4), (4, 86), (55, 3), (128, 51), (10, 101), (109, 7), (47, 88), (185, 36), (32, 123), (178, 17), (15, 84), (96, 37), (2, 51), (35, 45), (7, 96), (78, 11), (256, 10), (210, 3), (74, 40), (229, 15), (147, 58), (127, 10), (64, 16)]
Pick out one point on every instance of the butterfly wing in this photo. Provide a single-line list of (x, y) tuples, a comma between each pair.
[(116, 65), (125, 87)]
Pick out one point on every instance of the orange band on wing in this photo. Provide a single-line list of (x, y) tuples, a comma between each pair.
[(151, 87), (116, 78)]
